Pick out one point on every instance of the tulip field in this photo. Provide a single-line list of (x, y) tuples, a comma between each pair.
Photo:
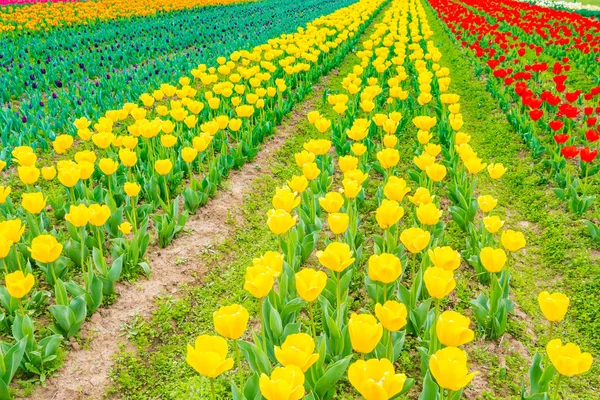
[(283, 200)]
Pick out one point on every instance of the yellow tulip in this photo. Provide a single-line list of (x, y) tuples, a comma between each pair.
[(496, 170), (310, 171), (45, 249), (318, 146), (163, 167), (474, 165), (422, 196), (297, 349), (128, 157), (512, 241), (18, 285), (285, 383), (436, 172), (392, 315), (208, 356), (280, 221), (486, 203), (428, 214), (132, 189), (271, 259), (395, 189), (29, 174), (492, 224), (365, 332), (424, 136), (375, 379), (48, 173), (424, 123), (5, 246), (388, 158), (439, 282), (103, 139), (313, 116), (322, 124), (244, 111), (390, 141), (25, 157), (62, 143), (449, 368), (12, 230), (298, 183), (423, 161), (347, 163), (332, 202), (568, 359), (461, 138), (86, 155), (338, 222), (168, 141), (34, 203), (201, 142), (358, 149), (388, 213), (285, 199), (4, 193), (125, 228), (188, 154), (234, 124), (231, 321), (385, 268), (336, 257), (259, 280), (310, 283), (554, 306), (445, 258), (351, 188), (452, 329), (108, 166), (415, 239), (304, 157), (99, 214), (493, 260)]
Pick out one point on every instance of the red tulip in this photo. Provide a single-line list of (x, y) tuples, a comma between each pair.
[(561, 138), (569, 151), (556, 125), (536, 114), (588, 155), (592, 135)]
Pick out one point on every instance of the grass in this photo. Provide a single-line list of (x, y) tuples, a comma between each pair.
[(558, 256)]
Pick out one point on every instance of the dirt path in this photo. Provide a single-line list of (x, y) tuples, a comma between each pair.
[(84, 374)]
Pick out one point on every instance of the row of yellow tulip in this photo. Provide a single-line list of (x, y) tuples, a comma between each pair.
[(401, 303), (129, 166)]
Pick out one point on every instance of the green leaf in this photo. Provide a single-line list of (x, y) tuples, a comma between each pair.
[(333, 373)]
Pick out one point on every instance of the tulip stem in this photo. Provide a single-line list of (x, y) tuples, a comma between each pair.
[(384, 292), (312, 319), (557, 390), (339, 297), (391, 347), (212, 389), (21, 307), (5, 267), (238, 360), (441, 393), (262, 324), (82, 249), (551, 330)]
